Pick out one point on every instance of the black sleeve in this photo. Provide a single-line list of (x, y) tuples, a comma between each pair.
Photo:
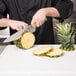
[(3, 11), (65, 8)]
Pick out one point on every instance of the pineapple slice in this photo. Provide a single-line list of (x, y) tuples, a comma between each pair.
[(26, 41), (41, 51), (56, 52)]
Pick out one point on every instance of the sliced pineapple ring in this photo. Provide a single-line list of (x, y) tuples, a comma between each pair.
[(56, 52), (42, 50), (27, 40)]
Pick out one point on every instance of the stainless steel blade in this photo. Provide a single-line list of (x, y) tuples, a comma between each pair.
[(18, 34), (31, 29)]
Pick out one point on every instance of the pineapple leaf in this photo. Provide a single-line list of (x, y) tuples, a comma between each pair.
[(66, 35)]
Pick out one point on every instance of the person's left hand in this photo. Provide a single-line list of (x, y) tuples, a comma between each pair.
[(39, 18)]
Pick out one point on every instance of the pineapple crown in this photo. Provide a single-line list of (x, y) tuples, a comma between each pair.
[(65, 33)]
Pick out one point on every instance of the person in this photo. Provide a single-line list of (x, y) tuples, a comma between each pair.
[(28, 12)]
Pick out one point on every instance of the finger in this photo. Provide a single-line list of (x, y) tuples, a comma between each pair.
[(19, 27), (13, 27), (37, 23), (33, 23), (41, 22), (24, 25)]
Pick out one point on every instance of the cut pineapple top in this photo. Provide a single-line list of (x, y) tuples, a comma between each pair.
[(42, 50), (27, 40), (56, 52), (66, 35)]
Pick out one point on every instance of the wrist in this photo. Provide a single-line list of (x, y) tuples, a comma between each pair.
[(4, 22), (44, 11), (8, 22)]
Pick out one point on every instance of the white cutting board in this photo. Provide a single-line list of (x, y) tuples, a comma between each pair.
[(19, 62)]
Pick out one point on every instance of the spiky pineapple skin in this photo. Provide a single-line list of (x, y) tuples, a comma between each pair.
[(66, 36), (18, 43)]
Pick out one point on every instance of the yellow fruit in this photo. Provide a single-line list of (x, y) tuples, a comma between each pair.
[(26, 41), (41, 51), (56, 52)]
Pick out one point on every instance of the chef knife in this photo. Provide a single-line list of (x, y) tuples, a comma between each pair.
[(18, 34)]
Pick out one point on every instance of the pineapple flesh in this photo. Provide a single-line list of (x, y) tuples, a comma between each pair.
[(26, 40), (41, 51), (66, 36), (56, 52), (48, 51)]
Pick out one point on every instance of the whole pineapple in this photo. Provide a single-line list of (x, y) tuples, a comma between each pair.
[(66, 36)]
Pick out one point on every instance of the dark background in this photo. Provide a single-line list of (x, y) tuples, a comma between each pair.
[(71, 19)]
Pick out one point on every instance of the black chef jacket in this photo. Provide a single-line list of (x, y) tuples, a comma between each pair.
[(23, 10)]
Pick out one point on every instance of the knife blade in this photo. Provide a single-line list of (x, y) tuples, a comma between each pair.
[(18, 34)]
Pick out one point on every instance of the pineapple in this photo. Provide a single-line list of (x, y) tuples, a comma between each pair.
[(66, 36), (41, 51), (48, 51), (56, 52), (26, 41)]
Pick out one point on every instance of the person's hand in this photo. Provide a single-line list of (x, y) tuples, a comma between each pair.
[(39, 18), (17, 25)]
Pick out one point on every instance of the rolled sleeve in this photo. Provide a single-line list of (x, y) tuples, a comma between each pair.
[(65, 9), (3, 11)]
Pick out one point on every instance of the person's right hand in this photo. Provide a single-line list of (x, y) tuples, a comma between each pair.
[(17, 25)]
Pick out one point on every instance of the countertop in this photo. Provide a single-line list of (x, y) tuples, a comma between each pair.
[(19, 62)]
